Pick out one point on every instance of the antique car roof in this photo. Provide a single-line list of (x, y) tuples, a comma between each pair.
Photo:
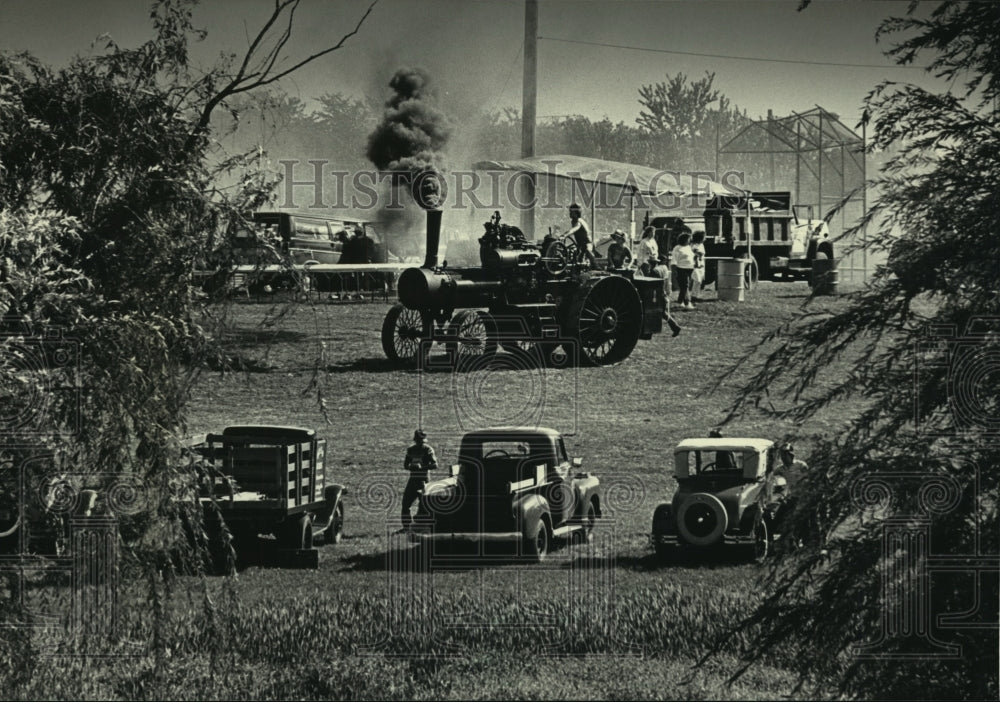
[(512, 432), (725, 444)]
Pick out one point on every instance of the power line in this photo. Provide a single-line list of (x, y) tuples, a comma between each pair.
[(721, 56), (510, 73)]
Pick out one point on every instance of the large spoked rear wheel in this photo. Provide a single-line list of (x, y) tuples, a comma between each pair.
[(406, 334), (471, 334), (606, 319)]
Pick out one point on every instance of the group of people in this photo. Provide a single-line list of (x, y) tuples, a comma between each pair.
[(687, 257)]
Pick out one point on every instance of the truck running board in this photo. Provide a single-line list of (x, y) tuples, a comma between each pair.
[(564, 531)]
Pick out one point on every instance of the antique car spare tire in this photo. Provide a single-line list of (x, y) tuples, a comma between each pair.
[(702, 519)]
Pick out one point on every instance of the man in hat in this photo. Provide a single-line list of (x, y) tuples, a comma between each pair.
[(419, 459), (792, 468), (619, 255), (581, 234)]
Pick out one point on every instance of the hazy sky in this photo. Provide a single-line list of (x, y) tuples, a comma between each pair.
[(473, 50)]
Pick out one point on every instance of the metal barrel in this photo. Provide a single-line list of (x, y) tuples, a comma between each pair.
[(825, 277), (730, 283)]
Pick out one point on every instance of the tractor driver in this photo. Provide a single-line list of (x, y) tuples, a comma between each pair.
[(419, 459), (581, 234)]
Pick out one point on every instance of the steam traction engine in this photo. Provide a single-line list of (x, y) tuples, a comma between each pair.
[(520, 300)]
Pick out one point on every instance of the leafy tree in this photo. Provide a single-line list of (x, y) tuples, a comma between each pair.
[(109, 193), (912, 478), (687, 111)]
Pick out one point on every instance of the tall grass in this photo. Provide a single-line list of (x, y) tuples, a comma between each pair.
[(354, 645)]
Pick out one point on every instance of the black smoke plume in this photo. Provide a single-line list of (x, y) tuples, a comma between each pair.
[(413, 131)]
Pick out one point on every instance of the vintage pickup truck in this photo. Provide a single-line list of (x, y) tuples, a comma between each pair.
[(511, 485)]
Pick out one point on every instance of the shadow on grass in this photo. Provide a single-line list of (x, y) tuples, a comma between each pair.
[(438, 364), (406, 557), (378, 364), (250, 338), (701, 559)]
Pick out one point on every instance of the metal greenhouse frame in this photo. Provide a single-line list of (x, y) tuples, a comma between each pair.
[(829, 160)]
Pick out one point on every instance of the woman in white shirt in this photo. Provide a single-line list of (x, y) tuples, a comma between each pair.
[(682, 258), (647, 253)]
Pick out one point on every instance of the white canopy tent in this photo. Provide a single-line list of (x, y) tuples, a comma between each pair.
[(633, 178)]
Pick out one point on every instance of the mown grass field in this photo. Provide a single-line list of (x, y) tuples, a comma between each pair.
[(605, 621)]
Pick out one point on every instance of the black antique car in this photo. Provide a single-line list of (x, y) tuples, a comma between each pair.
[(511, 485), (726, 494)]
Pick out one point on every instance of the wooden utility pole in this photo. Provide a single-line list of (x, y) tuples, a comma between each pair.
[(529, 97)]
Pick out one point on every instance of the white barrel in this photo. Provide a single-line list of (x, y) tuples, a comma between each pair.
[(731, 279)]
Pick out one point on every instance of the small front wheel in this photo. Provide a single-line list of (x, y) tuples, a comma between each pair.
[(406, 334), (335, 531), (589, 522), (761, 541)]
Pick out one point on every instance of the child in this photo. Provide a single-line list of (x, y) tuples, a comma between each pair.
[(683, 260), (698, 276), (662, 270)]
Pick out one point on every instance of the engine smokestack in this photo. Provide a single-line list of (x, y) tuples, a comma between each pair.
[(427, 188), (433, 238)]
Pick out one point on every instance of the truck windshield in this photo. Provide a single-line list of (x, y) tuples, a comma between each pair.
[(503, 462)]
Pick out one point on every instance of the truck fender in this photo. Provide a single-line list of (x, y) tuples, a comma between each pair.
[(332, 494), (751, 514), (663, 519), (530, 508)]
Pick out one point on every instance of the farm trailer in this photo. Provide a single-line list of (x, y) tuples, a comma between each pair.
[(269, 480)]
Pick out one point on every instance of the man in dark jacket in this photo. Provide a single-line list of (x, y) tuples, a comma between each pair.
[(419, 459)]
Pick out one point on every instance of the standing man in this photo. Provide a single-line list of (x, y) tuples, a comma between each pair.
[(794, 471), (581, 234), (790, 466), (419, 459)]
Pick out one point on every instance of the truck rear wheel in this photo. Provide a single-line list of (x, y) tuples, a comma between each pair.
[(537, 542)]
